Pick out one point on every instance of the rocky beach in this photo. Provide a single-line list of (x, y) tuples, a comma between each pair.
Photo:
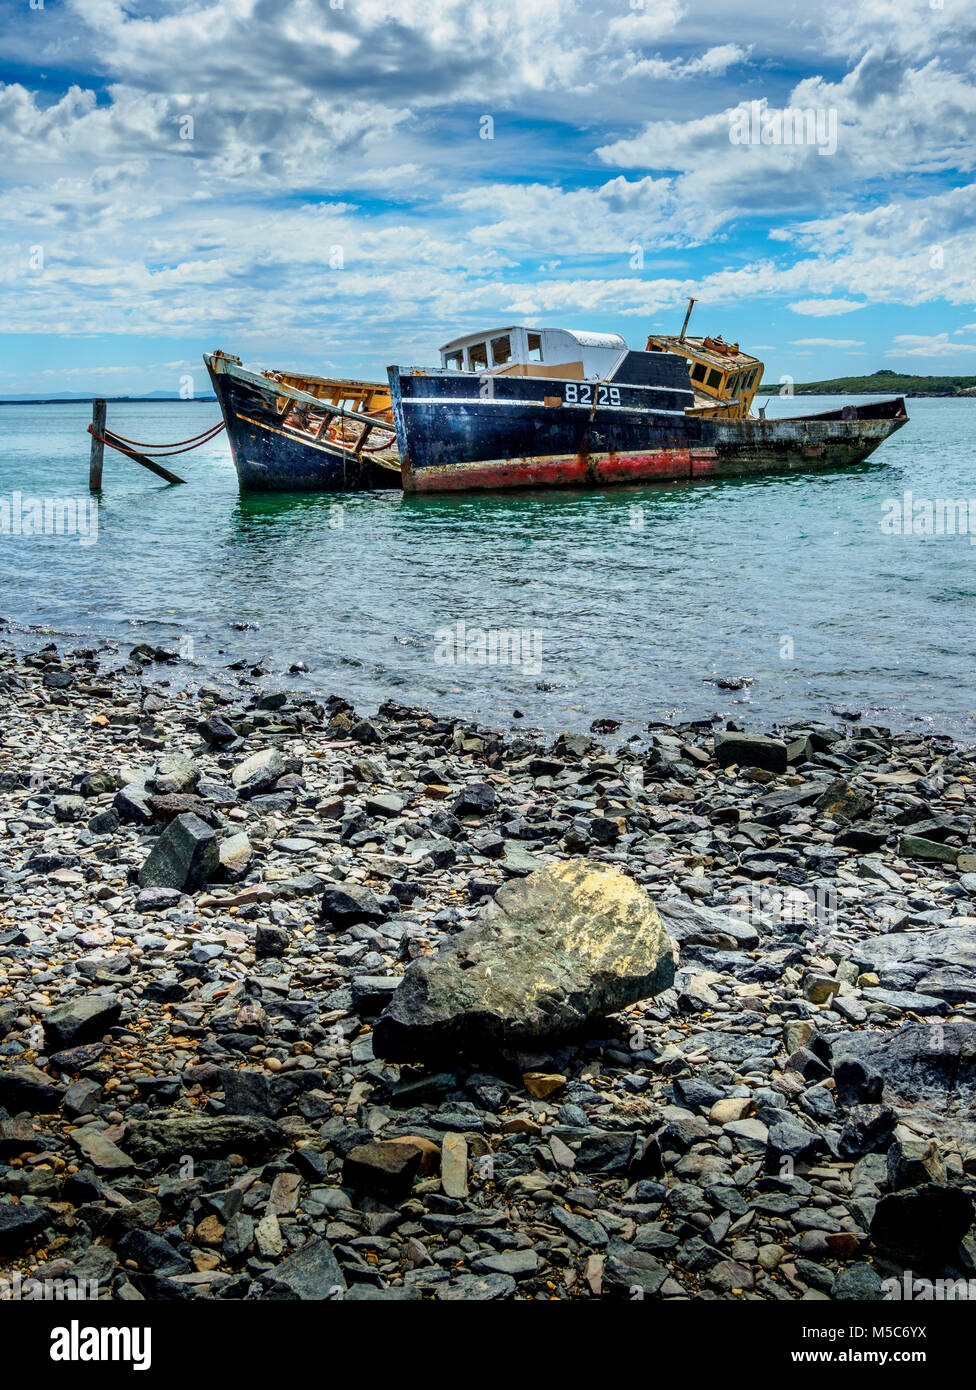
[(689, 1018)]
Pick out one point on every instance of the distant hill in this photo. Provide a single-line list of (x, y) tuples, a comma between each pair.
[(884, 383), (68, 397)]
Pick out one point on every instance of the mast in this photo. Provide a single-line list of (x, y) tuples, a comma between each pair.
[(681, 335)]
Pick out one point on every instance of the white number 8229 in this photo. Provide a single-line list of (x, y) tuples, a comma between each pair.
[(581, 393)]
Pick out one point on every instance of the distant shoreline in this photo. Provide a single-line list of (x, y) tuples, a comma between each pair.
[(909, 395), (883, 383), (110, 400), (762, 391)]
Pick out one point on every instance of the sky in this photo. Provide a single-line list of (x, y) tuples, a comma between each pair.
[(337, 185)]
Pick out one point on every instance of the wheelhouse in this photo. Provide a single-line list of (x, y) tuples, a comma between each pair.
[(540, 352), (724, 379)]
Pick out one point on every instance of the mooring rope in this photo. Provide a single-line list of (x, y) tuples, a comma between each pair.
[(161, 450), (126, 446), (121, 448)]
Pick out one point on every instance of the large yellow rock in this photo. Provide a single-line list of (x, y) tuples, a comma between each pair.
[(567, 944)]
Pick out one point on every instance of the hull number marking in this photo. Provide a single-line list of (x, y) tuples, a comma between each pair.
[(581, 393)]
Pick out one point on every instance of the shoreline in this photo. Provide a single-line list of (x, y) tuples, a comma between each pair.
[(768, 1128), (185, 673)]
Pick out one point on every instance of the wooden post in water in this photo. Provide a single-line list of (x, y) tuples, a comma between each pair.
[(97, 446)]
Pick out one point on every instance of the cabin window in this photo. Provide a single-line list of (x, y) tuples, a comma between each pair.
[(698, 372), (455, 361), (714, 379), (501, 350), (535, 347), (478, 357), (735, 381)]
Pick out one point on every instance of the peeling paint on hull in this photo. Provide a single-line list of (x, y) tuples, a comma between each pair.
[(580, 470)]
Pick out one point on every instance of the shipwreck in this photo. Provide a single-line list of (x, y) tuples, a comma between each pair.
[(524, 407)]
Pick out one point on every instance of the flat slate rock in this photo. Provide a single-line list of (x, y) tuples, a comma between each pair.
[(479, 1288), (28, 1088), (930, 1064), (80, 1021), (751, 750), (204, 1136), (258, 772), (369, 1293), (628, 1269), (19, 1224), (185, 856), (939, 949), (924, 1225), (733, 1048), (906, 1000), (312, 1274), (385, 1169), (344, 904), (687, 921), (100, 1151), (157, 899)]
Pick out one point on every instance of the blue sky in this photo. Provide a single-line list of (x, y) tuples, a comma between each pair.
[(308, 183)]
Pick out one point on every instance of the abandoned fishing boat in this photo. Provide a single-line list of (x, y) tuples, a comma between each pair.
[(290, 432), (525, 407)]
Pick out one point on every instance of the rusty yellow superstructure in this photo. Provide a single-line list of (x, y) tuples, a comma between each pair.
[(723, 379)]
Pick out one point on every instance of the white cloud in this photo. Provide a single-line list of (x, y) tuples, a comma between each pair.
[(614, 217), (825, 308), (714, 62), (827, 342), (920, 345), (642, 26), (889, 119), (911, 29)]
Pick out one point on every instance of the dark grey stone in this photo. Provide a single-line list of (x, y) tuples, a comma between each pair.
[(185, 856), (80, 1020)]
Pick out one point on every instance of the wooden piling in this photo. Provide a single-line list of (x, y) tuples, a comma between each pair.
[(97, 445)]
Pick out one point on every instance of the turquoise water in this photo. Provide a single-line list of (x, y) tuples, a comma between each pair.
[(633, 599)]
